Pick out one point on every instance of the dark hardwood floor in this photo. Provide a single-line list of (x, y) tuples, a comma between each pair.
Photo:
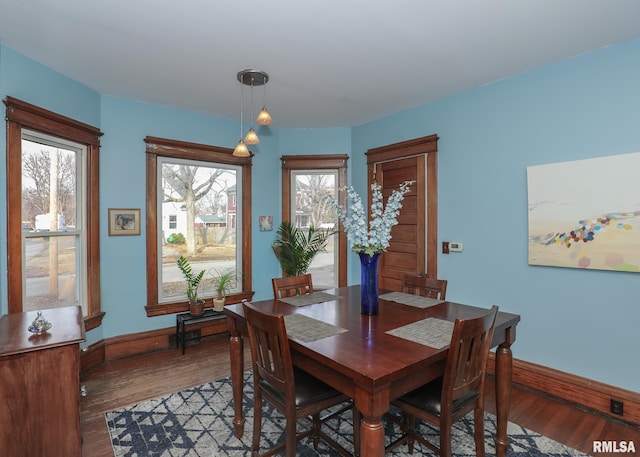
[(134, 379)]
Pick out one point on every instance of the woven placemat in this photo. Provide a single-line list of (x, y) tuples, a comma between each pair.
[(307, 329), (308, 299), (410, 299), (432, 332)]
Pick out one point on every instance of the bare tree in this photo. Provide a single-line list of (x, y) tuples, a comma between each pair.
[(312, 197), (36, 195), (183, 184)]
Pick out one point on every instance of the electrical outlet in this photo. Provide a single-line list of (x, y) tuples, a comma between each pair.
[(616, 407), (445, 247)]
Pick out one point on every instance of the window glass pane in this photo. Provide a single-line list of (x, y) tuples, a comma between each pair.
[(51, 224), (50, 272), (311, 207), (197, 208)]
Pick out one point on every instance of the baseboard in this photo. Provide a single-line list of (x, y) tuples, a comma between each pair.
[(138, 343), (583, 392)]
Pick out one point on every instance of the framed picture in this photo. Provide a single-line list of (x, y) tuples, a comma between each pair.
[(124, 221), (265, 223)]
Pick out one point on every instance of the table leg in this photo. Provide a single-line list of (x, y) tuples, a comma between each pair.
[(371, 437), (237, 381), (504, 369), (372, 407)]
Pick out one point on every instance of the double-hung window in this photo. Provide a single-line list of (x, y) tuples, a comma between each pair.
[(52, 207)]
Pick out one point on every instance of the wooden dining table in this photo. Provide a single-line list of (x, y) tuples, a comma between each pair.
[(361, 359)]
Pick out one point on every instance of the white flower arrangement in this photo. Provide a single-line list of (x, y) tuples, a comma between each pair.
[(375, 236)]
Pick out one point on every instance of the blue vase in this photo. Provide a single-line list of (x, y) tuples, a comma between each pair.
[(369, 283)]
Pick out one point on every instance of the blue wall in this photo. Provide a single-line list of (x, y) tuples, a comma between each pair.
[(581, 322)]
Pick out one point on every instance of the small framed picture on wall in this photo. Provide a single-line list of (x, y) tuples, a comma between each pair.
[(124, 221), (265, 223)]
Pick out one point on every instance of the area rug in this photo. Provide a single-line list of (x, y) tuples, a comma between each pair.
[(198, 422)]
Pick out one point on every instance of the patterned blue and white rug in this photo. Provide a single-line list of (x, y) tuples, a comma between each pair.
[(198, 422)]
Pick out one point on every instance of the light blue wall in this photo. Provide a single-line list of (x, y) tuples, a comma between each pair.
[(581, 322), (34, 83)]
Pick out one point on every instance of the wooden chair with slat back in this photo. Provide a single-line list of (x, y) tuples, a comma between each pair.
[(293, 392), (290, 286), (426, 287), (460, 390)]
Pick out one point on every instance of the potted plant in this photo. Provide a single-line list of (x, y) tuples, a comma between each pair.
[(223, 282), (295, 249), (196, 307)]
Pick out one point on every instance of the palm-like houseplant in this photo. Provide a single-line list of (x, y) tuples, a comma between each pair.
[(295, 248), (196, 307), (224, 281)]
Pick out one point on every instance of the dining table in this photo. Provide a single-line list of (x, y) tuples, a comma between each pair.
[(373, 359)]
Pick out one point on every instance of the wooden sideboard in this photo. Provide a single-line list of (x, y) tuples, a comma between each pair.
[(40, 384)]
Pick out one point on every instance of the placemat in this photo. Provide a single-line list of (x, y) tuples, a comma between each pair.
[(410, 299), (308, 299), (307, 329), (432, 332)]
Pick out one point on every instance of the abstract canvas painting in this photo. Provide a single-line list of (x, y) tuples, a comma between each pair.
[(586, 213)]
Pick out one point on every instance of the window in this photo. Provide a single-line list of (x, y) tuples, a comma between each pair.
[(306, 183), (52, 207), (194, 196)]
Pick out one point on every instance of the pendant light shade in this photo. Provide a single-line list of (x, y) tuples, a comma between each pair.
[(241, 150), (264, 118), (252, 137)]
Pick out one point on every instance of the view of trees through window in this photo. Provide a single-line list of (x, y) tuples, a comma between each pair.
[(311, 207), (197, 219), (51, 229)]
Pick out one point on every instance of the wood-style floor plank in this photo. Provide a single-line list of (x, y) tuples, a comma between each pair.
[(131, 380)]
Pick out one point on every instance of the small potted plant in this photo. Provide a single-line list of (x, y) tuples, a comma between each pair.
[(196, 307), (223, 282)]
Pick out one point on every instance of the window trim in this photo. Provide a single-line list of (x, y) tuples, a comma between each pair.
[(319, 162), (19, 115), (162, 147)]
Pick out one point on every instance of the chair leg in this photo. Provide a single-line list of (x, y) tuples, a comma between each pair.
[(478, 419), (315, 429), (445, 439), (357, 419), (291, 438), (410, 427), (257, 420)]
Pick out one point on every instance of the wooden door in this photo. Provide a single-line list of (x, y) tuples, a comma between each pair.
[(413, 240)]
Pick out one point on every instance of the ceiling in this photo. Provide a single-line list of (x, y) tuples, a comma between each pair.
[(332, 63)]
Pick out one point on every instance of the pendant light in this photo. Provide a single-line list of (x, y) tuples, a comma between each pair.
[(251, 78)]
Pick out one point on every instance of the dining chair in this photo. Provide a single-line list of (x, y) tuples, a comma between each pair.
[(426, 287), (292, 391), (447, 399), (290, 286)]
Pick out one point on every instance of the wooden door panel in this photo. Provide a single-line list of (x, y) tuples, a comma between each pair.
[(413, 246), (404, 233)]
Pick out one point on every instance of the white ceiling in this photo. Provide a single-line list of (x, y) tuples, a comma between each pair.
[(332, 63)]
